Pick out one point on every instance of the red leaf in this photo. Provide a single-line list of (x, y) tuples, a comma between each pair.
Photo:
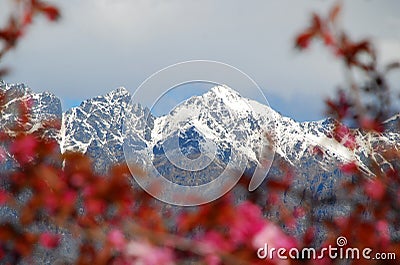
[(335, 11), (328, 38), (28, 17), (11, 33), (303, 40), (316, 23), (339, 108), (51, 12)]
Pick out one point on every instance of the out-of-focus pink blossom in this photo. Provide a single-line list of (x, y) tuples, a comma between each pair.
[(51, 202), (248, 222), (375, 189), (382, 228), (212, 243), (342, 222), (77, 180), (273, 236), (95, 206), (3, 196), (69, 198), (117, 239), (23, 148), (147, 254), (49, 240)]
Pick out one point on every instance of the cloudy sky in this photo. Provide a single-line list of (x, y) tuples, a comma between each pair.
[(99, 45)]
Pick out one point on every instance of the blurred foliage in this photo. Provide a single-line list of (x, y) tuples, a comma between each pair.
[(22, 16), (114, 223)]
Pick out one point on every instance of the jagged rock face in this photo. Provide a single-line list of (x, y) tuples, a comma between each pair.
[(393, 124), (95, 128)]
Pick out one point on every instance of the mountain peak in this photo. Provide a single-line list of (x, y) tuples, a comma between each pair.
[(15, 90), (116, 94), (118, 91), (228, 97), (224, 91)]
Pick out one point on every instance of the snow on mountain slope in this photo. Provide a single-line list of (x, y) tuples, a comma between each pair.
[(220, 115), (44, 112), (95, 128), (43, 109)]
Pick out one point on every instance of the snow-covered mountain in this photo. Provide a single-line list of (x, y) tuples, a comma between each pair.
[(220, 120), (44, 117), (221, 117)]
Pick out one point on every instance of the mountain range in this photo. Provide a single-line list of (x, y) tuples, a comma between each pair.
[(220, 119), (222, 116)]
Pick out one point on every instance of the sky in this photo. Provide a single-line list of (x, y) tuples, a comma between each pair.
[(100, 45)]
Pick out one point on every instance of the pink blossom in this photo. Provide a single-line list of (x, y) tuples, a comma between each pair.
[(49, 240), (273, 236), (24, 148), (95, 206), (248, 222), (69, 197), (375, 189), (212, 243), (116, 238), (3, 196), (341, 221), (147, 254), (77, 180), (51, 202), (382, 228)]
